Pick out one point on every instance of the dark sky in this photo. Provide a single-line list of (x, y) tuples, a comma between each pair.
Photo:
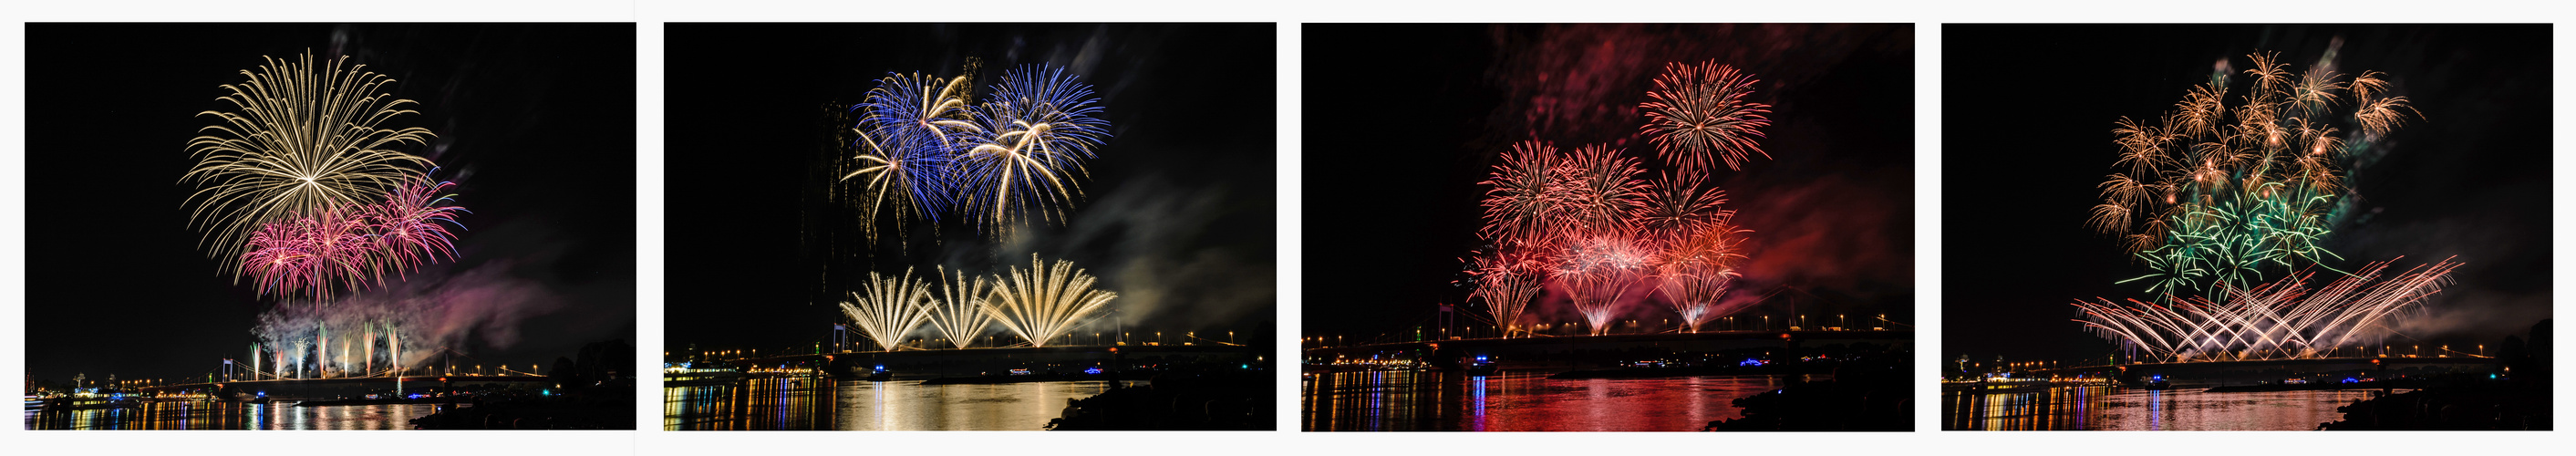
[(2028, 114), (535, 124), (1402, 121), (1178, 217)]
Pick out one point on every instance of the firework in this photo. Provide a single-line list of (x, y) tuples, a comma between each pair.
[(410, 226), (1698, 117), (312, 255), (910, 130), (304, 137), (957, 311), (1596, 268), (1506, 279), (1697, 267), (1036, 130), (2278, 320), (322, 253), (1679, 204), (1597, 190), (1044, 302), (1519, 207), (2207, 202), (890, 308)]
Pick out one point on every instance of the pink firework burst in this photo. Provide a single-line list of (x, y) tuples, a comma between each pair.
[(411, 226), (1698, 117), (320, 254)]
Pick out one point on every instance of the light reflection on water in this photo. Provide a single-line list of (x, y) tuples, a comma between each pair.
[(2129, 409), (1438, 401), (236, 416), (903, 405)]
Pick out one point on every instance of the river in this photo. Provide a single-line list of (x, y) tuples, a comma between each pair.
[(236, 415), (1516, 401), (2130, 409), (900, 405)]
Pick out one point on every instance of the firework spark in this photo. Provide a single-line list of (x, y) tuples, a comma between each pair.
[(957, 311), (2208, 204), (1596, 268), (322, 253), (890, 308), (1036, 131), (1697, 267), (304, 138), (1520, 206), (1045, 302), (1698, 117), (910, 130), (2278, 320), (1506, 280), (1597, 190)]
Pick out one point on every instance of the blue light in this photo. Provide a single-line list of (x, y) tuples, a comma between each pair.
[(880, 367), (1094, 370), (1750, 362), (1480, 358), (2350, 380)]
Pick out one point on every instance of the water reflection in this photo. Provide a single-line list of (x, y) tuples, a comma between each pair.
[(2130, 409), (235, 415), (1438, 401), (906, 405)]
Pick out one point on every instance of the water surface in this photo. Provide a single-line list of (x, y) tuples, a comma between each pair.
[(901, 405), (2130, 409), (236, 415), (1516, 401)]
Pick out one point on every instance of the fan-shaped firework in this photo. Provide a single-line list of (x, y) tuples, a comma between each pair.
[(2279, 320), (304, 138), (1506, 279), (1596, 268), (1696, 267), (910, 131), (1037, 129), (2211, 204), (957, 311), (890, 308), (1698, 117), (1044, 302)]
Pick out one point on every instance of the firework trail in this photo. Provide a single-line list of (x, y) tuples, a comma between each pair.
[(1036, 130), (1506, 279), (2278, 320), (1597, 267), (1042, 303), (2210, 197), (1677, 205), (1697, 117), (910, 131), (890, 308), (304, 138), (957, 311)]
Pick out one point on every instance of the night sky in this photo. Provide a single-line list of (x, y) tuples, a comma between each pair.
[(1178, 215), (535, 124), (2028, 116), (1402, 121)]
